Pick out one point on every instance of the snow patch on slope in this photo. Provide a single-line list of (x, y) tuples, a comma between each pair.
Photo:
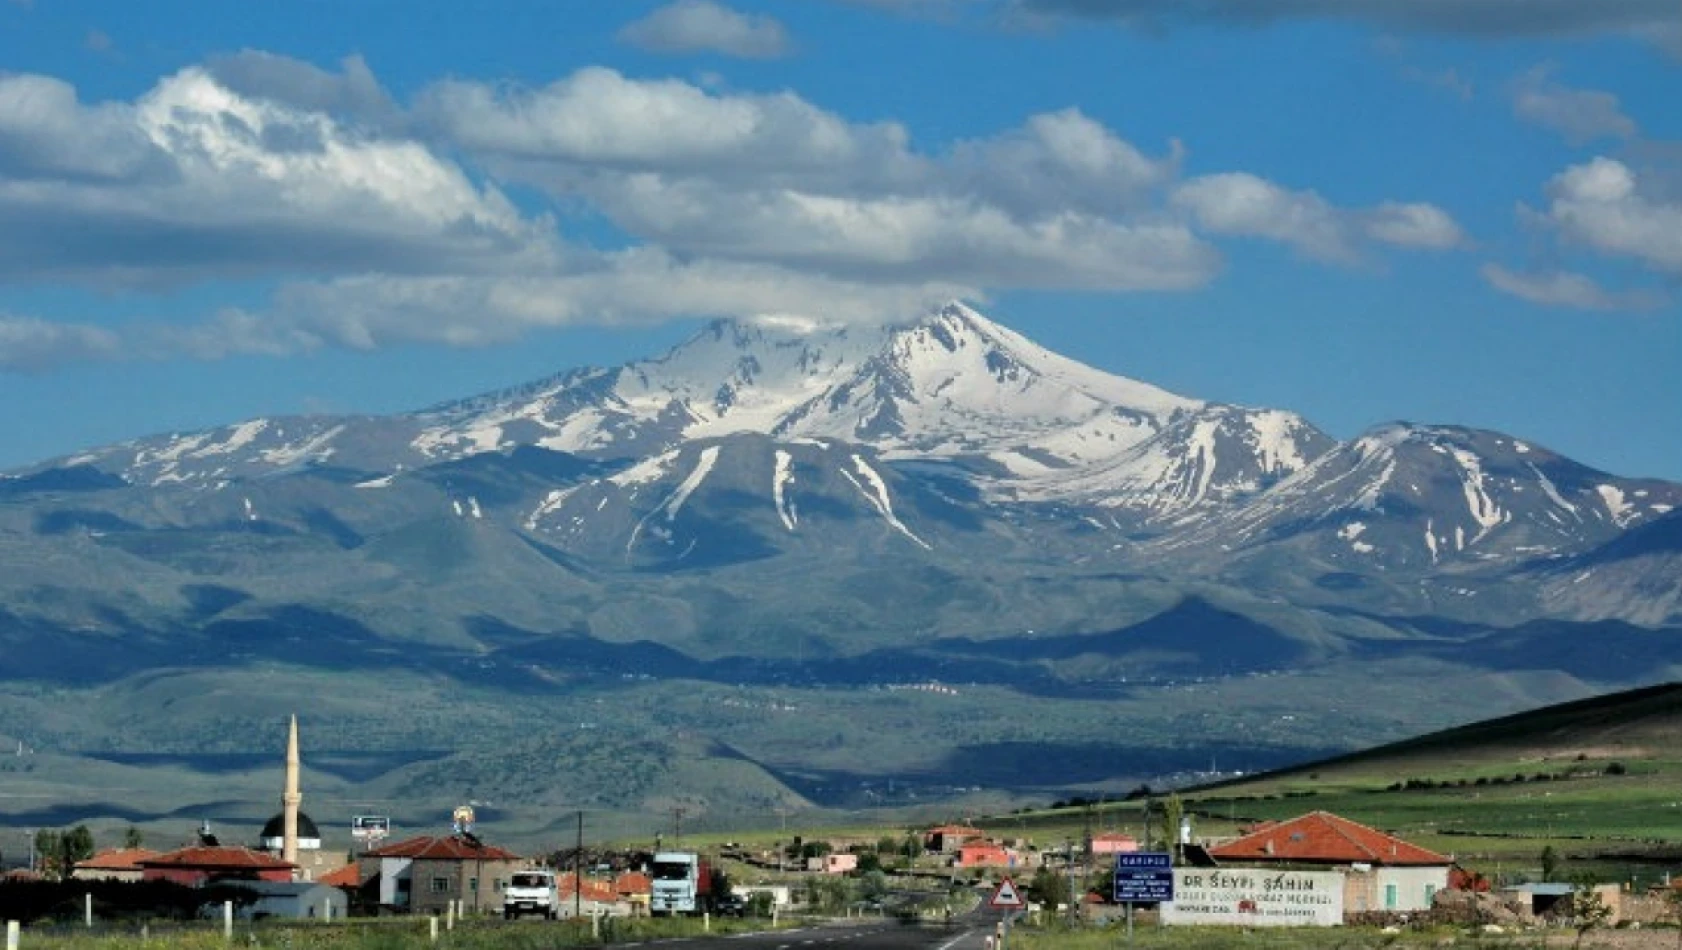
[(1619, 508), (1484, 510), (709, 457), (781, 478), (877, 495)]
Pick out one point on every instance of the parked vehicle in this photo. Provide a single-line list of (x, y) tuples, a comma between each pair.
[(531, 892), (682, 883)]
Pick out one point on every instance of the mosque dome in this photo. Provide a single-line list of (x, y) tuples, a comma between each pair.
[(273, 837)]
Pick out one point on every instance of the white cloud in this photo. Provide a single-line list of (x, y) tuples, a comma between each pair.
[(1567, 289), (30, 345), (597, 119), (701, 25), (1411, 225), (353, 92), (1239, 203), (1580, 115), (1604, 205), (258, 166), (774, 179), (195, 181)]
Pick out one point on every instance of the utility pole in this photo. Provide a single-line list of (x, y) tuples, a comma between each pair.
[(677, 825), (577, 872), (1069, 866), (1089, 809)]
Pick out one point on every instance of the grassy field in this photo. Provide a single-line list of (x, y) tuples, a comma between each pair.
[(382, 934)]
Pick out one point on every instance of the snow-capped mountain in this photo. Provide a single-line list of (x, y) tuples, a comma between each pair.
[(1420, 497), (1024, 424), (785, 511)]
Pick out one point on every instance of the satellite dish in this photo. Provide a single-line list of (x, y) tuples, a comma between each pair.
[(462, 818)]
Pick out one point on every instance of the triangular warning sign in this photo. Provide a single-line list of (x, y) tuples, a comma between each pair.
[(1007, 897)]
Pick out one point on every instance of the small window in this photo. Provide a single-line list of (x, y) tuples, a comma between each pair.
[(440, 885), (1430, 894), (1389, 897), (472, 885)]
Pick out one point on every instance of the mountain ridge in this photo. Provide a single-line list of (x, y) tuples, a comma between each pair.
[(937, 527)]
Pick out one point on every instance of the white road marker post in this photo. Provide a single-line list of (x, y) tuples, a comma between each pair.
[(228, 921), (11, 935)]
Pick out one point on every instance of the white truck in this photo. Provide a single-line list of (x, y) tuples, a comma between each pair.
[(532, 891), (682, 883)]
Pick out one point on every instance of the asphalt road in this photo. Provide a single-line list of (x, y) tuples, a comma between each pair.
[(843, 935)]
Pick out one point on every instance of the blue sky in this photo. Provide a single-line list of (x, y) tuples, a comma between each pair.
[(1464, 211)]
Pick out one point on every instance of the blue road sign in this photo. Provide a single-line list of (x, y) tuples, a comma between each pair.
[(1144, 877)]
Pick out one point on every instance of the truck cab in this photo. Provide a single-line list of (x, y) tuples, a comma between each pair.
[(681, 881)]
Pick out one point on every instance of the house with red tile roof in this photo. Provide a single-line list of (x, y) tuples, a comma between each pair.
[(423, 875), (590, 898), (199, 865), (947, 839), (114, 864), (1383, 872), (347, 878), (634, 889)]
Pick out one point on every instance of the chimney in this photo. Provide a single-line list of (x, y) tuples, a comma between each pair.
[(290, 800)]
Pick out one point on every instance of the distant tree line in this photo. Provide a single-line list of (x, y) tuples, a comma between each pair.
[(1414, 784), (56, 853)]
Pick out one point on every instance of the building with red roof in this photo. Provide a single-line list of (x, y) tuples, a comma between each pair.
[(424, 874), (635, 889), (199, 865), (589, 898), (115, 864), (985, 854), (947, 839), (1383, 871), (348, 878)]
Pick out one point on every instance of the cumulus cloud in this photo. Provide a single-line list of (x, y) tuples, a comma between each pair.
[(353, 92), (688, 26), (363, 215), (1604, 205), (195, 181), (1239, 203), (1580, 115), (1567, 289)]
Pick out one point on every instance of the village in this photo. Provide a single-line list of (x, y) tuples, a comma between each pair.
[(1315, 869)]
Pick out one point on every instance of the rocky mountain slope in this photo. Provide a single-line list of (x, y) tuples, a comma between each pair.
[(794, 504)]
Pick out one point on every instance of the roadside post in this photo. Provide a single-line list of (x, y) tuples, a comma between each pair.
[(228, 921), (1007, 900), (1143, 877), (11, 935)]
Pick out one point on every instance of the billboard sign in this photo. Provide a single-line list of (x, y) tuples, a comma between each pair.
[(1251, 897), (370, 828), (1143, 877)]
